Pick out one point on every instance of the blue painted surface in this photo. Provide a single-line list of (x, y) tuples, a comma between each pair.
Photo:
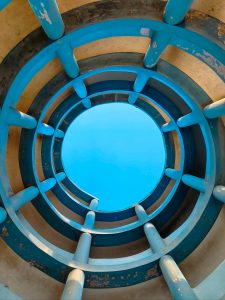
[(215, 110), (178, 285), (175, 11), (4, 3), (181, 241), (49, 17)]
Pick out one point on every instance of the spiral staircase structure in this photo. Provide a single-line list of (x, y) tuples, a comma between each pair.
[(61, 59)]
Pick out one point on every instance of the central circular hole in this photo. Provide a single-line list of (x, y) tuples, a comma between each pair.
[(116, 153)]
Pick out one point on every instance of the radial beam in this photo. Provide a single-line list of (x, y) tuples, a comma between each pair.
[(45, 129), (59, 134), (219, 193), (215, 110), (176, 10), (49, 17), (3, 215), (140, 212), (94, 204), (80, 88), (188, 120), (48, 184), (194, 182), (60, 176), (74, 286), (156, 243), (168, 127), (23, 197), (83, 248), (172, 173), (178, 285), (89, 220), (159, 43), (67, 59), (20, 119), (140, 82)]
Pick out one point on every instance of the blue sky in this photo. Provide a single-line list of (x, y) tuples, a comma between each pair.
[(114, 152)]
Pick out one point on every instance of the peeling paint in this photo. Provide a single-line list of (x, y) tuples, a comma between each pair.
[(44, 15)]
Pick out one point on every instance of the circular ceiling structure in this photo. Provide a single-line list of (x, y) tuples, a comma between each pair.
[(123, 123)]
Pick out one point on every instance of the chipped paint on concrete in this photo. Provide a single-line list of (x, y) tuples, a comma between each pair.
[(44, 15)]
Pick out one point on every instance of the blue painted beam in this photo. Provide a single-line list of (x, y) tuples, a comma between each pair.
[(89, 220), (49, 17), (86, 102), (23, 197), (176, 10), (178, 285), (172, 173), (140, 212), (48, 184), (168, 127), (67, 59), (156, 243), (60, 176), (20, 119), (45, 129), (74, 286), (215, 110), (94, 204), (80, 88), (4, 3), (219, 193), (3, 215), (59, 134), (132, 98), (159, 43), (140, 82), (83, 248), (188, 120), (194, 182)]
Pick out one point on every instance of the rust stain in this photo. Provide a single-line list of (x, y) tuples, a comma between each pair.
[(153, 272), (4, 232), (97, 281), (35, 264), (196, 15), (221, 30)]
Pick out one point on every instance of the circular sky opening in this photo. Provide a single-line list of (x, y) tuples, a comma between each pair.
[(116, 153)]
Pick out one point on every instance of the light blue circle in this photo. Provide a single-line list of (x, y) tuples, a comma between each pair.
[(115, 152)]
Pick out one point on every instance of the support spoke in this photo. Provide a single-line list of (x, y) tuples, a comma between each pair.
[(159, 43), (168, 127), (215, 110), (156, 243), (188, 120), (68, 60), (219, 193), (49, 17), (20, 119), (60, 176), (48, 184), (196, 183), (172, 173), (74, 286), (141, 213), (24, 197), (59, 134), (175, 11), (45, 129), (178, 285)]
